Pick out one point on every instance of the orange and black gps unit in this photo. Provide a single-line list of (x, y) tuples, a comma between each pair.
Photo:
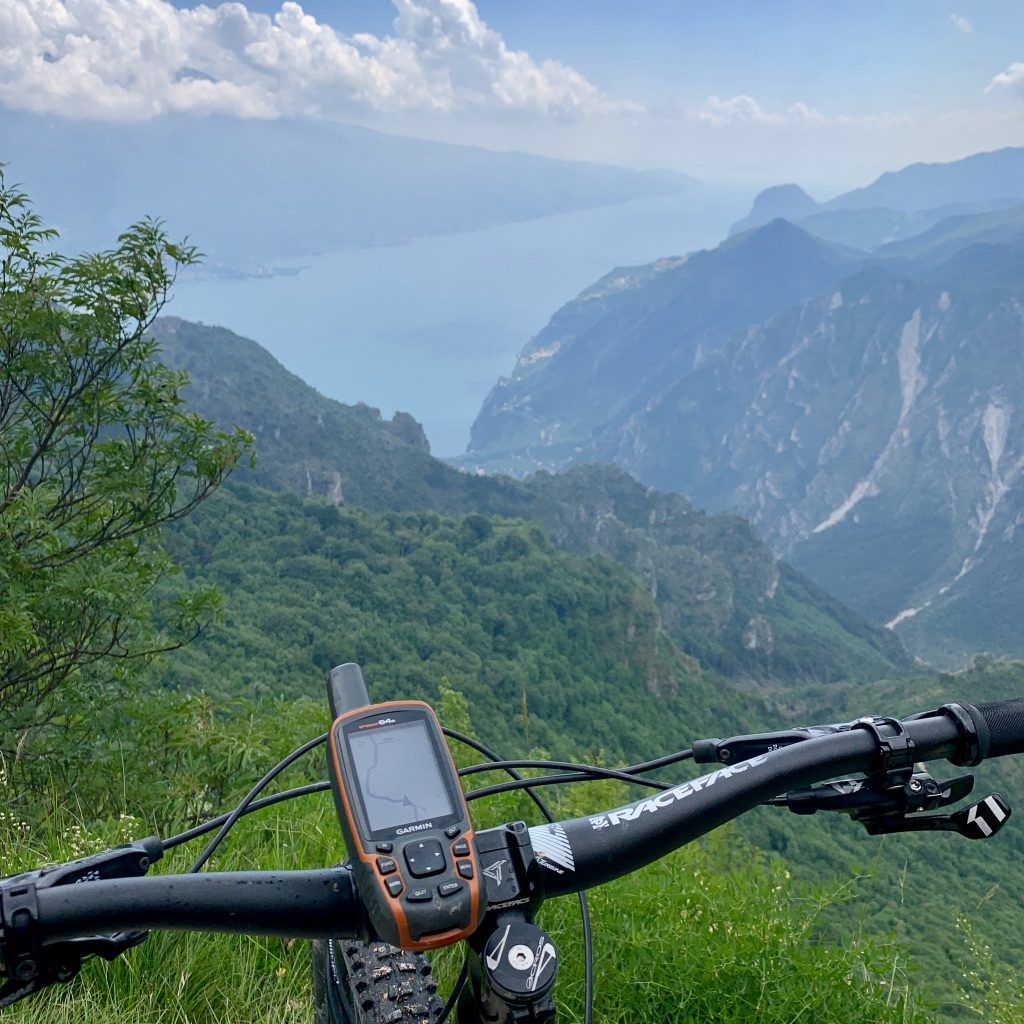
[(406, 824)]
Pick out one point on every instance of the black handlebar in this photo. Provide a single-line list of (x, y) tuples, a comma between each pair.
[(613, 843), (291, 904), (572, 855)]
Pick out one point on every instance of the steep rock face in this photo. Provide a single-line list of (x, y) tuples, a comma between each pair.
[(879, 426), (636, 328), (874, 433)]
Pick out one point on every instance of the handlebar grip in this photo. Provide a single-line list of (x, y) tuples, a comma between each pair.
[(1005, 721)]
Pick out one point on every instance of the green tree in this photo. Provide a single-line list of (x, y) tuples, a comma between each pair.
[(97, 452)]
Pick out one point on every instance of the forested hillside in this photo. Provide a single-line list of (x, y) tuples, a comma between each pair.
[(722, 596), (559, 650)]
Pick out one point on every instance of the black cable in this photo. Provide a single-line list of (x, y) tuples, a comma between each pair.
[(659, 762), (257, 805), (456, 992), (250, 796), (319, 787), (623, 775), (556, 780), (487, 752)]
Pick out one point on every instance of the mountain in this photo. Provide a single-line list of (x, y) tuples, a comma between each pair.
[(623, 338), (899, 204), (790, 202), (721, 595), (951, 234), (872, 431), (991, 177), (259, 195)]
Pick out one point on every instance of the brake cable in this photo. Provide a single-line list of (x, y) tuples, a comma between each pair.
[(250, 796)]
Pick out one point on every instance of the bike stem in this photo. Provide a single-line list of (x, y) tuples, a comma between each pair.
[(512, 963)]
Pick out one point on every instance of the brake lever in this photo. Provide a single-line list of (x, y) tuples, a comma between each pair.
[(898, 791), (62, 961), (31, 965), (740, 748)]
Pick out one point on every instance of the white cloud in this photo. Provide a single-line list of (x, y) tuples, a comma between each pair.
[(745, 109), (135, 59), (741, 109), (962, 23), (1011, 78)]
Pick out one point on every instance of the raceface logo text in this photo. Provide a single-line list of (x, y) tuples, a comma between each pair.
[(670, 796)]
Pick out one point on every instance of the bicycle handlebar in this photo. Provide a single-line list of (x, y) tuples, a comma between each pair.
[(574, 855), (291, 904), (609, 844)]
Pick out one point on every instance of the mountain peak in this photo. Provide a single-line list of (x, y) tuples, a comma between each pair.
[(788, 201), (782, 239)]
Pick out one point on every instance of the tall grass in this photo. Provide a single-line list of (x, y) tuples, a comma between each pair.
[(716, 933)]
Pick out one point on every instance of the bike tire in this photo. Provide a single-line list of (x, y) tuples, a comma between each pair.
[(371, 983)]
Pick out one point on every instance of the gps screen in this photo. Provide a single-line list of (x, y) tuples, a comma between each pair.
[(399, 777)]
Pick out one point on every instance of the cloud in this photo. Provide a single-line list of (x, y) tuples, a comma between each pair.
[(962, 23), (1011, 78), (745, 109), (742, 109), (136, 59)]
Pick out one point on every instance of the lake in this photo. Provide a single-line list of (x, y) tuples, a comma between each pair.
[(429, 326)]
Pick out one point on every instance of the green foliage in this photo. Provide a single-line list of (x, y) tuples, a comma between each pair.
[(414, 598), (720, 933), (97, 451), (722, 597), (166, 757), (988, 987)]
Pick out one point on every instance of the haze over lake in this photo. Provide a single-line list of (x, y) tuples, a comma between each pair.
[(429, 326)]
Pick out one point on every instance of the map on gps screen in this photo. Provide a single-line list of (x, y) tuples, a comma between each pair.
[(399, 778)]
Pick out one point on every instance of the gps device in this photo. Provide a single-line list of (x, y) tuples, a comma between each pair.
[(406, 824)]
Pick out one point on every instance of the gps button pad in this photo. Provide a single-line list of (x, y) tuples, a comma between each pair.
[(425, 858)]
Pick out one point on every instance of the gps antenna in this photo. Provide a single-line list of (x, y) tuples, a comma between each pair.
[(346, 689)]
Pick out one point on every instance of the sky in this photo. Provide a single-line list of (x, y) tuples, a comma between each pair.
[(825, 92)]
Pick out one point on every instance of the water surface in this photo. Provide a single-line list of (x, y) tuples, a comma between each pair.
[(429, 326)]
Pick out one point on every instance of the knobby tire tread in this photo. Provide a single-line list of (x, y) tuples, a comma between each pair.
[(383, 984)]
